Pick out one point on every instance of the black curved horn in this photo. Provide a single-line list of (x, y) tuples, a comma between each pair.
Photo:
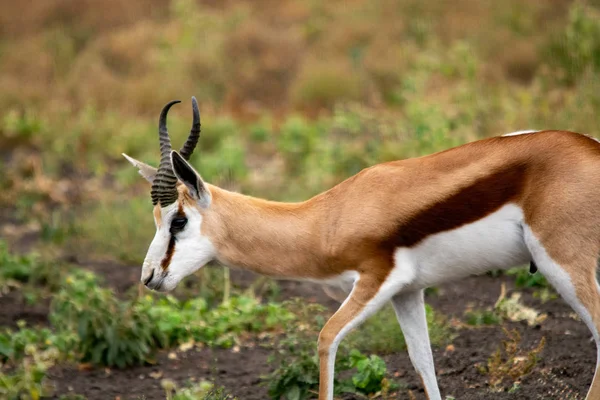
[(164, 189), (192, 140)]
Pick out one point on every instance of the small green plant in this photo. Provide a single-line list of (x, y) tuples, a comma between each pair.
[(203, 390), (379, 334), (259, 133), (209, 283), (117, 333), (432, 291), (13, 344), (370, 376), (525, 279), (218, 394), (109, 332), (545, 294), (482, 317), (297, 374), (514, 388), (178, 322), (25, 268), (35, 277), (20, 126), (28, 380)]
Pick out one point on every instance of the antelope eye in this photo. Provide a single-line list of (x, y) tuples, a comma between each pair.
[(178, 223)]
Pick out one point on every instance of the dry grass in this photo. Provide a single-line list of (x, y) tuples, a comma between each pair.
[(341, 86), (510, 363), (248, 55)]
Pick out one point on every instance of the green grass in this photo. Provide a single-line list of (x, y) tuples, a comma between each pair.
[(34, 275), (577, 49), (524, 279), (295, 363), (123, 333), (381, 333), (203, 390), (28, 380), (482, 318), (120, 230)]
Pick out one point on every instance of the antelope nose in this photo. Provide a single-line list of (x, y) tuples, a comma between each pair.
[(148, 278)]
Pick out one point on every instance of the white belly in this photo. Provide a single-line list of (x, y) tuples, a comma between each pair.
[(494, 242)]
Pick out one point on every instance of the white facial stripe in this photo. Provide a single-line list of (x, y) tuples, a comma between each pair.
[(181, 254), (159, 245), (167, 221)]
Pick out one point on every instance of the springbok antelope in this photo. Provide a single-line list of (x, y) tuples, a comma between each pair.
[(394, 229)]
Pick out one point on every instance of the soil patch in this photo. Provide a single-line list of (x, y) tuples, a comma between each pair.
[(14, 307), (564, 372), (238, 371)]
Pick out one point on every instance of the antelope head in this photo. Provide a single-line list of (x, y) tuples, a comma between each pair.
[(180, 198)]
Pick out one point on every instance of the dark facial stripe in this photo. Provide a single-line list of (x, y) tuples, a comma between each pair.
[(169, 254), (468, 205), (171, 247)]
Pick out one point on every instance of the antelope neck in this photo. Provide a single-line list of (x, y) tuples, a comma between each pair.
[(270, 238)]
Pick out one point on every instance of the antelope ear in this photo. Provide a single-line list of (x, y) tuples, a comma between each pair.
[(190, 178), (145, 170)]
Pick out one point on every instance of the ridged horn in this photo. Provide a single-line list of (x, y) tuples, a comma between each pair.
[(192, 140), (164, 189)]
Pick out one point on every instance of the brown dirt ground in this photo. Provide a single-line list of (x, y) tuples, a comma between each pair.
[(564, 372)]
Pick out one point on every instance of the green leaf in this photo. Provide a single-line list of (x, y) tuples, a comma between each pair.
[(293, 393)]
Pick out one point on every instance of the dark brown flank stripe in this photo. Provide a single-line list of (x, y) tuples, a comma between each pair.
[(470, 204)]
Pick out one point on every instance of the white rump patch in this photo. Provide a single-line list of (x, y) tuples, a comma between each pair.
[(560, 279), (519, 133)]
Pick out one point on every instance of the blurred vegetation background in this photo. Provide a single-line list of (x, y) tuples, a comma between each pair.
[(295, 96)]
